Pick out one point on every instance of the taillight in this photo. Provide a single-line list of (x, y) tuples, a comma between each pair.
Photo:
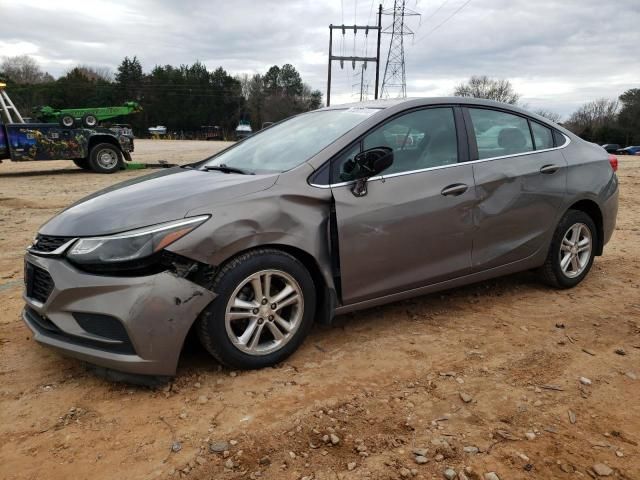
[(613, 160)]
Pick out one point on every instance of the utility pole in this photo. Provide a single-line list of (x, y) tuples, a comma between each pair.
[(360, 84), (354, 59), (395, 79)]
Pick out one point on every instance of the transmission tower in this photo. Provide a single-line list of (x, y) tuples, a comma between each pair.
[(394, 82)]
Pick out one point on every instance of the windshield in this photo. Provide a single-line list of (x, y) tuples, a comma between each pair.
[(290, 143)]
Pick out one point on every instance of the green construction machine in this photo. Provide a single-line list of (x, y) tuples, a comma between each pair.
[(87, 117)]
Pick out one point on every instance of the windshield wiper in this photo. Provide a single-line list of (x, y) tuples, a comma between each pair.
[(224, 168)]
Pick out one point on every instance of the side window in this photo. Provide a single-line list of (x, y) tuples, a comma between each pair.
[(499, 133), (419, 139), (559, 138), (542, 136), (337, 165)]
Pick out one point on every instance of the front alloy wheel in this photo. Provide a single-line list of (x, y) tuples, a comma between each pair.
[(264, 312), (264, 309)]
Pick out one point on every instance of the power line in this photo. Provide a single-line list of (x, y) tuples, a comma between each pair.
[(370, 11), (353, 52), (444, 21), (435, 12)]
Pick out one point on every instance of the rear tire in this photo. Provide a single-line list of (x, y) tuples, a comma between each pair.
[(105, 158), (571, 252), (264, 310)]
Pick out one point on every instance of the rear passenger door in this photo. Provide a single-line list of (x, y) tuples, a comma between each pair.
[(520, 176)]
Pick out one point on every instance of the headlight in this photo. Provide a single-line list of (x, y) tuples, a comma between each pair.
[(133, 245)]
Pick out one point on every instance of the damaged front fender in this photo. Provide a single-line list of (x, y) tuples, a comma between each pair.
[(284, 215)]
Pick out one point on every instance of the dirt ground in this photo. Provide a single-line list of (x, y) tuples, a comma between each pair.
[(485, 377)]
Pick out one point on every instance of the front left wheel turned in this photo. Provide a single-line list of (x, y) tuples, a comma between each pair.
[(264, 310)]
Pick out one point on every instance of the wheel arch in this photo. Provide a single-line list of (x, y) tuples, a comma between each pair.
[(326, 299), (592, 209), (102, 138)]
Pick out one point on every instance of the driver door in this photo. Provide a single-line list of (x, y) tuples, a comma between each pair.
[(414, 226)]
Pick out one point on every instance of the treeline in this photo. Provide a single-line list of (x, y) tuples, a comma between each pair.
[(600, 121), (181, 98), (609, 121)]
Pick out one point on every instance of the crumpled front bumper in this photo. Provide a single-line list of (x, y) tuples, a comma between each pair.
[(156, 312)]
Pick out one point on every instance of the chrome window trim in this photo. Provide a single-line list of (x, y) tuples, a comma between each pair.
[(457, 164)]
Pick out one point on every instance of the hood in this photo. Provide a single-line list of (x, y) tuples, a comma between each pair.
[(160, 197)]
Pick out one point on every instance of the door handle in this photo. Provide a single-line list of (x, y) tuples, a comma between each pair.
[(549, 169), (454, 190)]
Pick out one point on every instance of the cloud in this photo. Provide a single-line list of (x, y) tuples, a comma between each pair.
[(558, 54)]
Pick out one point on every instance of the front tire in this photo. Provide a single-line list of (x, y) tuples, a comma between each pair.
[(264, 310), (572, 251), (105, 158)]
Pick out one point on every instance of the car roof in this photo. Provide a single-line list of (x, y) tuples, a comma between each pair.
[(419, 101), (397, 104)]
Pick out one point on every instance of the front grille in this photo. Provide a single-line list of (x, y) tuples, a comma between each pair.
[(38, 282), (46, 243), (46, 327)]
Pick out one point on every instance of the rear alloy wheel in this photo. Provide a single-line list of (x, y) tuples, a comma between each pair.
[(105, 158), (264, 309), (575, 250), (572, 250)]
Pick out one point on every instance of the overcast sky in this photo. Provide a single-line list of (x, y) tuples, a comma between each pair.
[(558, 54)]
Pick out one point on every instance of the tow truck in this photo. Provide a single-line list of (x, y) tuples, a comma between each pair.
[(97, 148)]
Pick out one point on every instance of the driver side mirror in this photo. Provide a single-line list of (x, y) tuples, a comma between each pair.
[(365, 165)]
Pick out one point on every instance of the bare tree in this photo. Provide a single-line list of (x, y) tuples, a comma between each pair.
[(245, 84), (95, 73), (549, 115), (23, 69), (593, 115), (481, 86)]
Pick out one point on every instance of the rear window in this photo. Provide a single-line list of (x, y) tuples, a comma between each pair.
[(559, 138)]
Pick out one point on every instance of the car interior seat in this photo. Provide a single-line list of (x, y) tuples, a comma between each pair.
[(512, 140), (441, 150)]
